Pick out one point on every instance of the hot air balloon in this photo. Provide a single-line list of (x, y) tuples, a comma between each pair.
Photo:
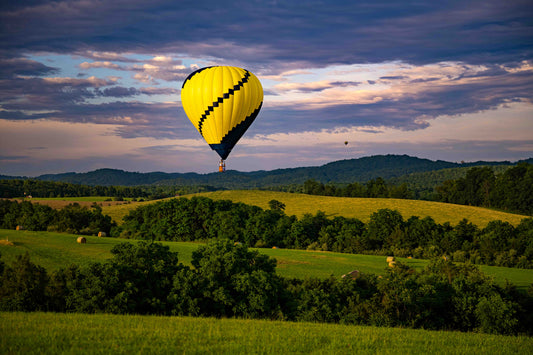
[(222, 102), (345, 142)]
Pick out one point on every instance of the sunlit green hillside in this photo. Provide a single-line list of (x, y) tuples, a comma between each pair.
[(361, 208)]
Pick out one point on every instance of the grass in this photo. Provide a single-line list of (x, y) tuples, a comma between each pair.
[(360, 208), (55, 333), (57, 250), (87, 201)]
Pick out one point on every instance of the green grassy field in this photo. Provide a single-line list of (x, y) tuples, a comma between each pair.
[(56, 250), (56, 333), (361, 208)]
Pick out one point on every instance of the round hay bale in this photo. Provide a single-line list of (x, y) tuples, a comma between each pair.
[(274, 247), (390, 259), (354, 274), (20, 228), (102, 234), (82, 240)]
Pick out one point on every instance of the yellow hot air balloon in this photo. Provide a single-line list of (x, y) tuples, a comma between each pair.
[(222, 102)]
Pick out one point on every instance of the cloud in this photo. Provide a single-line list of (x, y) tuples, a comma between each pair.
[(12, 67), (273, 34), (313, 86), (106, 64), (161, 67)]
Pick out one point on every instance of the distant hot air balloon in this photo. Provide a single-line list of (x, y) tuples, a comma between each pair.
[(222, 102), (345, 142)]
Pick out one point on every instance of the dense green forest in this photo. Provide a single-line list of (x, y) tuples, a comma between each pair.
[(511, 190), (228, 280)]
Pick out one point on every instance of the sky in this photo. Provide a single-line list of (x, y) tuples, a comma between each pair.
[(90, 84)]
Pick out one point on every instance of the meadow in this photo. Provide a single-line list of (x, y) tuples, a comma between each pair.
[(51, 333), (349, 207), (58, 250), (55, 333)]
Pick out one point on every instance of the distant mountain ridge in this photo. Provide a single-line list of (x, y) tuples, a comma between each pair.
[(342, 171)]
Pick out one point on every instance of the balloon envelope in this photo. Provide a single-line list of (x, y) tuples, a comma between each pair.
[(222, 102)]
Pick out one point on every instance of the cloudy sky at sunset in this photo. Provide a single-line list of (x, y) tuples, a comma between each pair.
[(94, 84)]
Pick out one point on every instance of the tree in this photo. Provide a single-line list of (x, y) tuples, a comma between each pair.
[(276, 205), (23, 286), (137, 279), (380, 228), (228, 280)]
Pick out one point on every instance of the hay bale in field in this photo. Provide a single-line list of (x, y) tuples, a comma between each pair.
[(20, 228), (274, 247), (102, 234), (391, 264), (354, 275), (409, 257), (82, 240), (390, 259)]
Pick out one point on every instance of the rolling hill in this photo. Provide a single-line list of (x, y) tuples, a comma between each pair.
[(343, 171), (350, 207)]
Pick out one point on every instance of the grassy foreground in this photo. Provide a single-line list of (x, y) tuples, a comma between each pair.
[(351, 207), (57, 250), (55, 333)]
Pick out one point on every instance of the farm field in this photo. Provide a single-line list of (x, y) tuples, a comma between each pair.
[(351, 207), (57, 250), (60, 202), (54, 333), (362, 208)]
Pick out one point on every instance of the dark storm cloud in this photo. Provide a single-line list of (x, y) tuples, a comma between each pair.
[(21, 66), (315, 33)]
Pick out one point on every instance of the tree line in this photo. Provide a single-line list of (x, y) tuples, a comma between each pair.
[(377, 188), (16, 188), (228, 280), (73, 218), (511, 190), (386, 233)]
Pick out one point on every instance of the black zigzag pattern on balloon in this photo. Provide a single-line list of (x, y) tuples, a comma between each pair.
[(221, 99), (228, 142)]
